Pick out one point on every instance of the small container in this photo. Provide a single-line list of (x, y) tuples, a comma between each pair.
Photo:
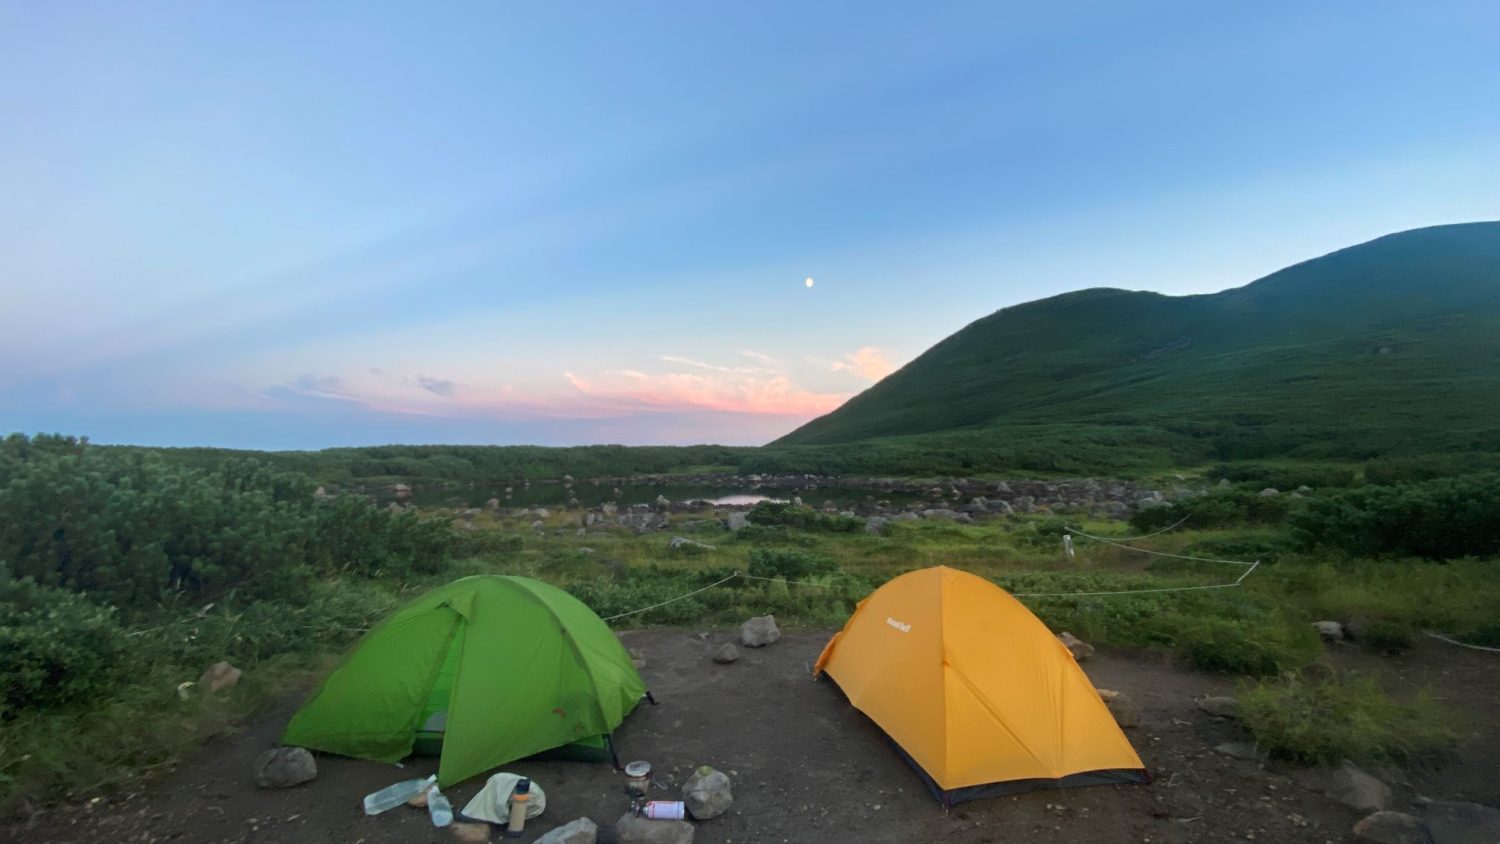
[(637, 778), (518, 804), (394, 795), (665, 810)]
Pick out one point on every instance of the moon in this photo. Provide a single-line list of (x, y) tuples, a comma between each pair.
[(808, 281)]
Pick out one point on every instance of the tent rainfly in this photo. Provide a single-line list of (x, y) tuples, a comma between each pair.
[(977, 694), (486, 670)]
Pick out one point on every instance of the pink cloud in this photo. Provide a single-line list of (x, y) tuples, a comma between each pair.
[(867, 362), (728, 389)]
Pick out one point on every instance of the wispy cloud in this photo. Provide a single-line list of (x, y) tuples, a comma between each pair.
[(867, 362), (437, 386)]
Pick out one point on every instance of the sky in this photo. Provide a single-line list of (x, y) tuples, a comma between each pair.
[(303, 225)]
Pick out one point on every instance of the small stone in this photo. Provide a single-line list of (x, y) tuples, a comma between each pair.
[(1080, 649), (1331, 631), (759, 631), (726, 654), (637, 658), (1391, 828), (1349, 785), (1221, 706), (634, 829), (471, 833), (1241, 750), (707, 793), (218, 677), (581, 831), (284, 767), (1126, 713)]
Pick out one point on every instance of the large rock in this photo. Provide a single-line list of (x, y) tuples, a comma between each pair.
[(682, 543), (1348, 785), (707, 793), (581, 831), (759, 631), (284, 767), (218, 677), (876, 524), (1080, 649), (1126, 713), (1391, 828), (1269, 492), (737, 520), (726, 654), (1454, 822), (1220, 705), (634, 829), (1331, 631)]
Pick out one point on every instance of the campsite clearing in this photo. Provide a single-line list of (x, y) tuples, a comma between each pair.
[(806, 766)]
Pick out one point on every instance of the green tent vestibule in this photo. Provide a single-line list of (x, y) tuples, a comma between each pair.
[(495, 668)]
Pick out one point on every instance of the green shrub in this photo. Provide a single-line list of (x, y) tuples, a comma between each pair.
[(56, 648), (1219, 508), (479, 543), (792, 565), (1323, 721), (1387, 637), (1229, 646), (1282, 477), (782, 514), (1441, 519)]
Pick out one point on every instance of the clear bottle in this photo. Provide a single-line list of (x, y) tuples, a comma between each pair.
[(438, 807), (394, 795)]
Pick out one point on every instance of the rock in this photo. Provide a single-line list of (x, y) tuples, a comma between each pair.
[(1269, 492), (759, 631), (1220, 705), (1241, 750), (471, 833), (543, 513), (905, 517), (707, 793), (637, 658), (609, 509), (1331, 631), (1454, 822), (726, 654), (634, 829), (581, 831), (218, 677), (1004, 508), (284, 767), (1391, 828), (1080, 649), (492, 504), (876, 524), (662, 503), (320, 493), (401, 491), (737, 520), (939, 513), (469, 514), (1126, 713), (538, 525), (682, 543), (1349, 785)]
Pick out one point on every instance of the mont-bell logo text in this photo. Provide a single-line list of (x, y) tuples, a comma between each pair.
[(899, 625)]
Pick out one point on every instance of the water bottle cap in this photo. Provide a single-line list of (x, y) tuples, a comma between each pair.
[(523, 786)]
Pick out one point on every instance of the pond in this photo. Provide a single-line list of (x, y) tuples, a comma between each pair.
[(588, 495)]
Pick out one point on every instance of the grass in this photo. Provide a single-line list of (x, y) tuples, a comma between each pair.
[(1321, 721)]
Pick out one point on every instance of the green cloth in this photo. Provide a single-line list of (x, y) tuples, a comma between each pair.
[(527, 666)]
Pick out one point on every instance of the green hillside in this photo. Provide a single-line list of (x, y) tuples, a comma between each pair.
[(1387, 348)]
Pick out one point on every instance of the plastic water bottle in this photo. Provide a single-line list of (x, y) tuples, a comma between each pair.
[(394, 795), (438, 807)]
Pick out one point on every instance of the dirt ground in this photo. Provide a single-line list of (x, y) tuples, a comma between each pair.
[(808, 767)]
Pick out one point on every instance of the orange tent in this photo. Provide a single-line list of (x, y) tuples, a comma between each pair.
[(976, 692)]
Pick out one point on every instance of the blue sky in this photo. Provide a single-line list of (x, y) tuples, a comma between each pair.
[(307, 225)]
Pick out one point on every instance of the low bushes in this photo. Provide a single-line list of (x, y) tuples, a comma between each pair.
[(56, 647), (1219, 508), (782, 514), (1321, 721), (1440, 519)]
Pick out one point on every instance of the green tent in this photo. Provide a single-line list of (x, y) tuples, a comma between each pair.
[(497, 667)]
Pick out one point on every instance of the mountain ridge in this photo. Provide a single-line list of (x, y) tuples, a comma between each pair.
[(1376, 340)]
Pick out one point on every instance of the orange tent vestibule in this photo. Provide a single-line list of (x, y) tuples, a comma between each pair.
[(976, 692)]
